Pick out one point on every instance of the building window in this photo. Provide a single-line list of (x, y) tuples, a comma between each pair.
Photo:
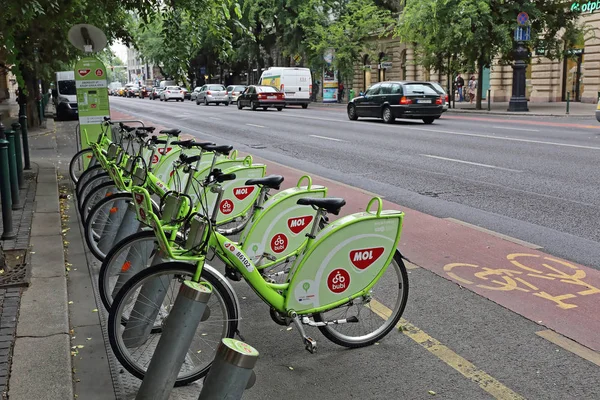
[(382, 59), (366, 72)]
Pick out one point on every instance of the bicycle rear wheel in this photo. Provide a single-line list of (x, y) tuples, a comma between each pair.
[(377, 314), (135, 351)]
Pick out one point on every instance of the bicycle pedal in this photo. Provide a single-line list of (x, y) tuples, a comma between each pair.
[(310, 344), (233, 274)]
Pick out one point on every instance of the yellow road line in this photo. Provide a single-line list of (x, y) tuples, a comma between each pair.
[(460, 364), (570, 345)]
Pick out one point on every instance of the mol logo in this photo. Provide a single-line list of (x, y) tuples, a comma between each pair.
[(363, 258), (242, 192), (298, 224), (83, 72), (279, 243), (338, 280), (162, 150), (226, 206), (139, 198)]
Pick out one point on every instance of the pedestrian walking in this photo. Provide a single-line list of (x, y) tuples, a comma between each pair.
[(459, 83), (315, 91), (341, 92), (472, 88)]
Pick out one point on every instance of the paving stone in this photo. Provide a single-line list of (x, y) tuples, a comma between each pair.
[(45, 224), (44, 308)]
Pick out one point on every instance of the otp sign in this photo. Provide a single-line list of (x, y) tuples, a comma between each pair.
[(99, 72), (226, 206), (363, 258), (338, 280), (279, 243), (298, 224), (242, 192)]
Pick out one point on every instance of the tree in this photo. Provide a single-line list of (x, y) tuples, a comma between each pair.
[(478, 31)]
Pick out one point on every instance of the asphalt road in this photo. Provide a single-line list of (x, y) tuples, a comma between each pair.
[(536, 179), (459, 345)]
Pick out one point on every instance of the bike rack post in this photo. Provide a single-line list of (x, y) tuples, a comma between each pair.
[(12, 168), (175, 341), (134, 262), (24, 136), (19, 154), (231, 372), (111, 225), (143, 314), (129, 224), (5, 196)]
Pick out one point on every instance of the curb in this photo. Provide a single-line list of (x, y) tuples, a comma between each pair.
[(42, 344), (526, 114)]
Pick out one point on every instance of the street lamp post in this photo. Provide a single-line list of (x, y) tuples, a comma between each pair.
[(518, 100)]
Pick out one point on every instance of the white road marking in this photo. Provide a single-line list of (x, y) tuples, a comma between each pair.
[(506, 138), (327, 138), (256, 126), (515, 129), (215, 118), (470, 163)]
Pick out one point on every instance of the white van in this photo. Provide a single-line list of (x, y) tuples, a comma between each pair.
[(296, 83), (64, 96)]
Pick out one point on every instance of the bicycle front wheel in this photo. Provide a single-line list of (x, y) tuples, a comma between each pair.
[(133, 346), (376, 314), (76, 166)]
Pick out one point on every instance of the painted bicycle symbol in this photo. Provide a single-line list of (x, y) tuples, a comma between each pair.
[(528, 279)]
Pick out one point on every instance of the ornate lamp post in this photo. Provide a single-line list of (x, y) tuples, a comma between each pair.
[(518, 101)]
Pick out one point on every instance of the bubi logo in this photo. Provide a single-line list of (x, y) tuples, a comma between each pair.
[(83, 72), (279, 243), (99, 72), (242, 192), (155, 159), (363, 258), (229, 246), (139, 198), (226, 206), (298, 224), (338, 280), (142, 214)]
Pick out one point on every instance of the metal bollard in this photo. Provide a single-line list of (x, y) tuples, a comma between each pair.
[(111, 225), (12, 169), (19, 154), (23, 122), (5, 195), (175, 341), (153, 292), (231, 372), (568, 101), (489, 100)]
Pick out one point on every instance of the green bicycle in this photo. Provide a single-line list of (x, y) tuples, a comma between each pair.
[(349, 282)]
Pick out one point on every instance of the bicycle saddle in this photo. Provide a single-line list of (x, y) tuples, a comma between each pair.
[(222, 149), (332, 205), (171, 132), (271, 181), (188, 144), (148, 129)]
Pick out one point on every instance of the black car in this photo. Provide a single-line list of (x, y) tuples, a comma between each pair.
[(391, 100), (261, 97)]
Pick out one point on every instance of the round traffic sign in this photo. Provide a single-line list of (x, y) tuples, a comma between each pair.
[(522, 18)]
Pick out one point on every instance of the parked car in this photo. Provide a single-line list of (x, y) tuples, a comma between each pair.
[(186, 94), (598, 111), (195, 92), (212, 93), (234, 91), (261, 96), (441, 91), (145, 91), (294, 82), (391, 100), (171, 93)]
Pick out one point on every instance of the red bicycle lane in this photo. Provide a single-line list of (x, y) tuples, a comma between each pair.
[(553, 292)]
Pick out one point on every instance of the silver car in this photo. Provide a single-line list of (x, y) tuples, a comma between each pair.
[(234, 91), (212, 93)]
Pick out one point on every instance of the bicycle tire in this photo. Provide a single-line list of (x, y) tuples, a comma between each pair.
[(333, 333), (115, 327), (86, 175), (88, 229), (92, 199), (76, 163), (113, 258), (90, 185)]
